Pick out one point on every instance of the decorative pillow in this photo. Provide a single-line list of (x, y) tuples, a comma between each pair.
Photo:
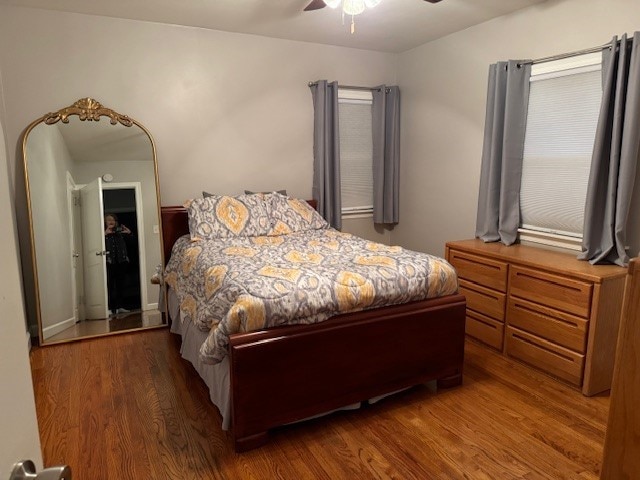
[(281, 192), (290, 215), (223, 217)]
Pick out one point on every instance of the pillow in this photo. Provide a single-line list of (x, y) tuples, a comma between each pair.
[(221, 216), (281, 192), (290, 215)]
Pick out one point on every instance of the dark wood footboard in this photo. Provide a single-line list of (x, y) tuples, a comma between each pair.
[(282, 375)]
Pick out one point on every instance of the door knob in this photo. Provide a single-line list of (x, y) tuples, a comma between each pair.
[(26, 470), (102, 253)]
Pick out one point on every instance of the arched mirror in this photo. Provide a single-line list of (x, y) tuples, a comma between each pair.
[(93, 201)]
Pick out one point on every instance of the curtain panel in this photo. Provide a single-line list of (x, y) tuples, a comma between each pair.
[(326, 151), (386, 154), (615, 155), (498, 215)]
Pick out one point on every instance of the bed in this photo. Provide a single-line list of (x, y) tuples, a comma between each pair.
[(280, 375)]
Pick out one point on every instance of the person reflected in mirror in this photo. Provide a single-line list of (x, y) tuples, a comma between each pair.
[(117, 261)]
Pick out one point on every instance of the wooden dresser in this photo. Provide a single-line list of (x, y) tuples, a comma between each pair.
[(542, 307)]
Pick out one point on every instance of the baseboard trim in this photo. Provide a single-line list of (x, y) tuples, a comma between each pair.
[(52, 330)]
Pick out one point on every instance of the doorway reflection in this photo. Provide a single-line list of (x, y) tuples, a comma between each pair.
[(78, 169), (121, 243)]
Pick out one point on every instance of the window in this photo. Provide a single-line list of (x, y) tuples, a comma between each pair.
[(356, 151), (564, 103)]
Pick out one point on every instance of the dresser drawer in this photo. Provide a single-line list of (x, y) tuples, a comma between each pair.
[(556, 360), (562, 328), (554, 291), (487, 272), (484, 300), (485, 329)]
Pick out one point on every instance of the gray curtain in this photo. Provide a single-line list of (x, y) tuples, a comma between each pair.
[(326, 151), (615, 155), (504, 129), (386, 154)]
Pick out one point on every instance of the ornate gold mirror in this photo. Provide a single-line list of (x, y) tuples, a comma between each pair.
[(93, 202)]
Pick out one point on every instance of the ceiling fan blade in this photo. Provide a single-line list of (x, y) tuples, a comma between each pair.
[(315, 5)]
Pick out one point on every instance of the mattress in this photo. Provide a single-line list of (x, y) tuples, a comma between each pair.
[(236, 285)]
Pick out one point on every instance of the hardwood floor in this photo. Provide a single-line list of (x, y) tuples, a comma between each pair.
[(116, 323), (127, 406)]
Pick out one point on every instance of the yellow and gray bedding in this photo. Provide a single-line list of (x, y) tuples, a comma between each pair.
[(282, 266)]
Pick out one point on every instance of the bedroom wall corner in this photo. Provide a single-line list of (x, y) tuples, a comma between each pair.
[(365, 228), (444, 91)]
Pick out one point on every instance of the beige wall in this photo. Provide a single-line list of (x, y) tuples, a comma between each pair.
[(443, 87), (19, 439), (48, 190), (365, 228), (227, 111), (231, 111)]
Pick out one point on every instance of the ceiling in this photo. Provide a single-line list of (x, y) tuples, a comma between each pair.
[(392, 26), (100, 141)]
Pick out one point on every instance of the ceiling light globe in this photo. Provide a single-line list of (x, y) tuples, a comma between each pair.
[(332, 3), (371, 3), (353, 7)]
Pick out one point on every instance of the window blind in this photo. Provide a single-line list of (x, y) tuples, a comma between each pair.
[(561, 125), (356, 152)]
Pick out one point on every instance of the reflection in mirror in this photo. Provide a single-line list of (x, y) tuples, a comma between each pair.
[(93, 201)]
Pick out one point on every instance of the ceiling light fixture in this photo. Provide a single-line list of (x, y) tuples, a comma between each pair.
[(352, 7)]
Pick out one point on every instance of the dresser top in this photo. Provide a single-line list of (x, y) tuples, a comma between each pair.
[(537, 257)]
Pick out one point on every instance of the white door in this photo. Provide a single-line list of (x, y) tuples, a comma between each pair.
[(93, 251), (75, 254), (19, 437)]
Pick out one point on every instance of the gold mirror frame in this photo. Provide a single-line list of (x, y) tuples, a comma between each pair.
[(86, 109)]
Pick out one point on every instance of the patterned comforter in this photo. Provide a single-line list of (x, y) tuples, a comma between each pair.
[(242, 284)]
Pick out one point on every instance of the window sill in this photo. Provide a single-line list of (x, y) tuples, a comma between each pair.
[(350, 215), (550, 239)]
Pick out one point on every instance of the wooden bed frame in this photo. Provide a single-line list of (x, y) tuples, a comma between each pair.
[(286, 374)]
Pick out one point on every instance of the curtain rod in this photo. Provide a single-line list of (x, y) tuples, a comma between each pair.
[(560, 56), (350, 87)]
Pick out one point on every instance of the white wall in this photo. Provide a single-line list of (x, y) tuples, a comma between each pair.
[(48, 191), (443, 86), (231, 111), (227, 111), (19, 439), (365, 228)]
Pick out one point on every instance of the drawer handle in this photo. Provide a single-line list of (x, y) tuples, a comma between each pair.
[(479, 320), (472, 262), (550, 282), (568, 323), (542, 347), (481, 293)]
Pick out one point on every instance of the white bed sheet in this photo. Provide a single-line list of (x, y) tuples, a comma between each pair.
[(216, 377)]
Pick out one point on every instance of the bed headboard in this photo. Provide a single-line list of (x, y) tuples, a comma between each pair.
[(175, 223)]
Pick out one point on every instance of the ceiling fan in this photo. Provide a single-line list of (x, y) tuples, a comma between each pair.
[(318, 4)]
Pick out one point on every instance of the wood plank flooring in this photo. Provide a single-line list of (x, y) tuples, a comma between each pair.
[(117, 323), (128, 407)]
